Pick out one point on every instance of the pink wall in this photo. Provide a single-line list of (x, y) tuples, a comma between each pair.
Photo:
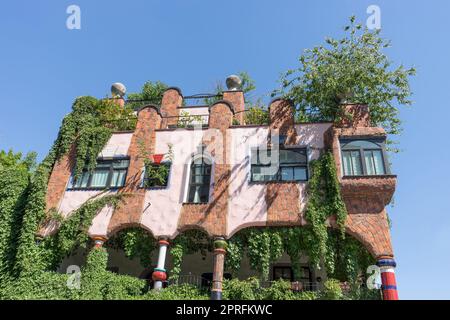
[(162, 206)]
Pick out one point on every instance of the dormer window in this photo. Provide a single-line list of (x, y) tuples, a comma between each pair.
[(364, 158), (107, 174)]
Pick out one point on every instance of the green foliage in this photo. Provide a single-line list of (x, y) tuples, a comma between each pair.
[(177, 252), (14, 180), (11, 159), (177, 292), (332, 290), (235, 253), (251, 289), (352, 68), (151, 93), (188, 242), (136, 243), (99, 284), (156, 175), (40, 286), (264, 247), (256, 115), (235, 289), (186, 120), (324, 201), (73, 231)]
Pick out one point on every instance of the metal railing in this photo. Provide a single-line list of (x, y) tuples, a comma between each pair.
[(188, 121), (190, 279), (202, 283)]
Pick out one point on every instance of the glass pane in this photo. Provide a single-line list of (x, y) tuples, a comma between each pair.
[(351, 163), (287, 174), (300, 174), (198, 194), (291, 156), (99, 178), (357, 144), (378, 162), (370, 166), (264, 156), (103, 164), (254, 156), (118, 178), (347, 163), (82, 181), (256, 174), (121, 164), (356, 163)]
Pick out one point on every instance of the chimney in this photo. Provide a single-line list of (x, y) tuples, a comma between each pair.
[(172, 99), (281, 113), (235, 95), (354, 116)]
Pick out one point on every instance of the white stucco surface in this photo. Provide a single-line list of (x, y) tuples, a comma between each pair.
[(162, 206), (247, 203), (117, 145)]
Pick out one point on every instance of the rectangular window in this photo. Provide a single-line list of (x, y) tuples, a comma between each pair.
[(352, 163), (156, 175), (107, 174), (199, 182), (291, 165), (284, 273)]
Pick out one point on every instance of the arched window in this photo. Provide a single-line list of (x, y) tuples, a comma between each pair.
[(362, 157), (199, 181)]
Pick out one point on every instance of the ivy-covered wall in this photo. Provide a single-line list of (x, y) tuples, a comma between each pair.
[(28, 262)]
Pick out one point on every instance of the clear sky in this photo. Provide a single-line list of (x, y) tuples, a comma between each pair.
[(193, 43)]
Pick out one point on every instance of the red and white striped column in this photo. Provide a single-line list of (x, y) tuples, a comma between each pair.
[(159, 274), (388, 284)]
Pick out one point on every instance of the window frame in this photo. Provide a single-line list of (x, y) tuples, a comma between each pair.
[(278, 175), (111, 171), (205, 160), (381, 143), (145, 178)]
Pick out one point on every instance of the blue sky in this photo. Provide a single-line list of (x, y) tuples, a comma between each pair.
[(193, 43)]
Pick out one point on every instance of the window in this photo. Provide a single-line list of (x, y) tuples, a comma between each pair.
[(284, 273), (156, 175), (199, 180), (363, 157), (107, 174), (293, 165)]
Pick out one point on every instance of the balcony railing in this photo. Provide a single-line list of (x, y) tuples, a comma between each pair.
[(202, 283)]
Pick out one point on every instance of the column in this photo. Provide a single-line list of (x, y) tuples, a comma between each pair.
[(388, 283), (99, 241), (220, 249), (159, 274)]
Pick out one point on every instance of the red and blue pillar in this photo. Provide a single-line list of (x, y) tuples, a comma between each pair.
[(388, 284)]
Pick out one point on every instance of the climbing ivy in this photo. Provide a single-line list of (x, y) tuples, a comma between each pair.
[(188, 242), (324, 202), (136, 243)]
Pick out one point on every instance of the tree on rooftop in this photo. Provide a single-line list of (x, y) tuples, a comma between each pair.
[(354, 68), (151, 92)]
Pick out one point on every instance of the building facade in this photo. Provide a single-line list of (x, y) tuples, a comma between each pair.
[(221, 178)]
